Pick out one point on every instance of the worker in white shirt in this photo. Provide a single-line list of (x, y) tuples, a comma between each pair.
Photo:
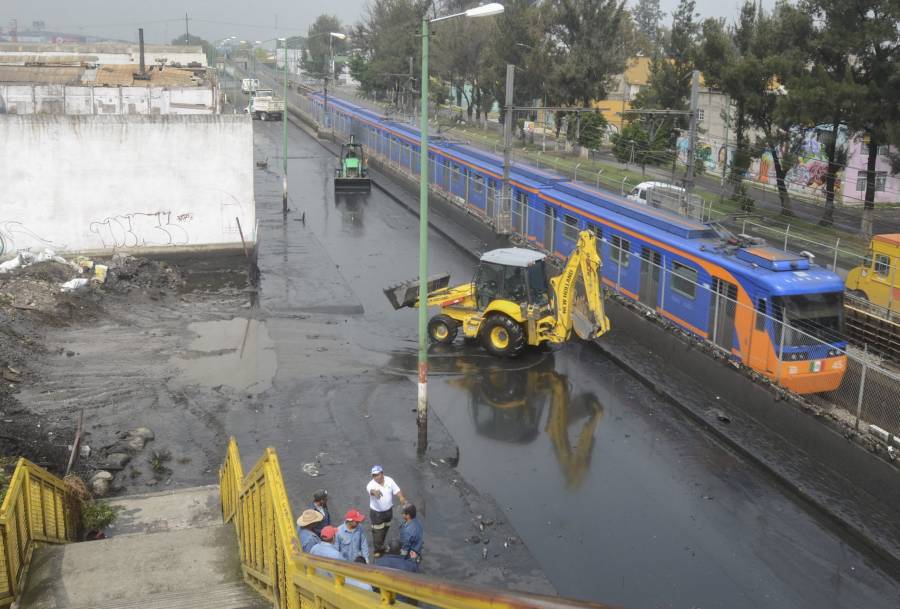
[(382, 490)]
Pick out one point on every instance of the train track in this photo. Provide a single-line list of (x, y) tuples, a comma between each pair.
[(876, 329)]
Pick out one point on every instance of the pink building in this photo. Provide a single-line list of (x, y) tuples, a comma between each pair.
[(887, 184)]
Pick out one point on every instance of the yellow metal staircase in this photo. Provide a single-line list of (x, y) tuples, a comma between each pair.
[(36, 509), (172, 551)]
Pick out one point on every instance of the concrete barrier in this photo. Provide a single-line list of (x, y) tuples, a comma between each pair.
[(136, 183)]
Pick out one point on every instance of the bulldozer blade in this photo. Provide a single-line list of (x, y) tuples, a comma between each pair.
[(406, 294), (352, 185)]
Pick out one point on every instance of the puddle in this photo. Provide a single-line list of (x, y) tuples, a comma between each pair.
[(236, 353)]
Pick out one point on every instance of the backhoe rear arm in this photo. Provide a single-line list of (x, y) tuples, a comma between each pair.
[(577, 296)]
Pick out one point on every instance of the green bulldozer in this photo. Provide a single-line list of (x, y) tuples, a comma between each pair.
[(353, 174)]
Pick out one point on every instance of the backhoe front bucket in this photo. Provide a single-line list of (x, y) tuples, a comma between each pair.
[(406, 294), (352, 184)]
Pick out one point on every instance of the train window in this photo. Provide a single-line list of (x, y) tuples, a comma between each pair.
[(882, 265), (684, 279), (761, 314), (867, 261), (811, 317), (596, 229), (478, 182), (620, 250), (570, 227)]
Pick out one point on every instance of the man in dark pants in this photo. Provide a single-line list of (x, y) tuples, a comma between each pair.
[(393, 559), (381, 490), (411, 534)]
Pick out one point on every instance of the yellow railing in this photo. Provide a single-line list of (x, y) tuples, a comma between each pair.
[(36, 508), (257, 504)]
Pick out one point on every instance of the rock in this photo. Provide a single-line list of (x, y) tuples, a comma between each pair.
[(116, 461), (142, 432), (135, 444), (84, 451), (100, 483)]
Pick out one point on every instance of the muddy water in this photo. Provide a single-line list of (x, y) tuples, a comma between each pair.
[(236, 353), (620, 497)]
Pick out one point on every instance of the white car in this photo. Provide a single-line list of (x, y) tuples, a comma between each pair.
[(656, 194)]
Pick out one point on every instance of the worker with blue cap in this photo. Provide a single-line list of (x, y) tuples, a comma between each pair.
[(382, 490)]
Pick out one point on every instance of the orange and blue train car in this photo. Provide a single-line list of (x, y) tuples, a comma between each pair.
[(728, 291)]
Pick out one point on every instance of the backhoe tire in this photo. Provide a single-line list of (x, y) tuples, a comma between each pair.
[(502, 336), (442, 329)]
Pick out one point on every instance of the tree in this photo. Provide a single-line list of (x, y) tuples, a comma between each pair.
[(647, 16), (775, 59), (321, 45), (593, 126), (724, 57), (386, 39), (642, 142), (585, 44), (515, 38), (874, 65)]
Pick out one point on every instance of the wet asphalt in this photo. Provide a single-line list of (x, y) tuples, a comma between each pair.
[(617, 495)]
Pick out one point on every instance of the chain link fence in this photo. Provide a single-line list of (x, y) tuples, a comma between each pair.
[(774, 339)]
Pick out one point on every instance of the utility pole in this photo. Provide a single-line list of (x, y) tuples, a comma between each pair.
[(505, 203), (692, 136), (284, 113)]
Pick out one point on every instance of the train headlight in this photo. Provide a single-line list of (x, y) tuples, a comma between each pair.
[(815, 366), (835, 353)]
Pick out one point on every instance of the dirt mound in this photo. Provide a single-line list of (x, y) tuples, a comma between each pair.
[(128, 272)]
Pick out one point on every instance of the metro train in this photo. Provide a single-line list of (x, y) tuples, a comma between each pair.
[(730, 291)]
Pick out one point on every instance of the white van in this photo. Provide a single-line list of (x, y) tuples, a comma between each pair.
[(657, 194)]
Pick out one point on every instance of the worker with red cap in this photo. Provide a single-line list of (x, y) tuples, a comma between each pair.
[(350, 539), (326, 548)]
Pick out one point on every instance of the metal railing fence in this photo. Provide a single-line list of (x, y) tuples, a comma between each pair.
[(37, 508), (272, 563), (868, 393)]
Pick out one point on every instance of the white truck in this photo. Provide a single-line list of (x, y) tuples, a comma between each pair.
[(263, 106), (249, 85)]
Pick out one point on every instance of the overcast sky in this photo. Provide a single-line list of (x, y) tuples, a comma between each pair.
[(163, 20)]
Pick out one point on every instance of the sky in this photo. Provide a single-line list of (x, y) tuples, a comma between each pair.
[(163, 20)]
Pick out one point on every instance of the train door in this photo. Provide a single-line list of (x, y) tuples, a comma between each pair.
[(519, 211), (722, 310), (491, 195), (549, 227), (651, 263)]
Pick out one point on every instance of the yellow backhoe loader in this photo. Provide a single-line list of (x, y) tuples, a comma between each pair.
[(510, 304)]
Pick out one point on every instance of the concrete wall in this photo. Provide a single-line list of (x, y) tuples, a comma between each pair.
[(76, 183), (68, 99)]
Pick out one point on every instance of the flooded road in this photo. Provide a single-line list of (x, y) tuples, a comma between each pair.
[(619, 497)]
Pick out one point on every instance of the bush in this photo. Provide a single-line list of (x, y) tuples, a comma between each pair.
[(97, 515)]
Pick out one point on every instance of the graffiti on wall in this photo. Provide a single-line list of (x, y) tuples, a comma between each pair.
[(15, 236), (140, 229)]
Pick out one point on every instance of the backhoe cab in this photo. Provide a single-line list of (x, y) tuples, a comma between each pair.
[(511, 304)]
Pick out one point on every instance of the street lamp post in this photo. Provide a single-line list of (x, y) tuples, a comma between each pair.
[(331, 37), (422, 403), (284, 156)]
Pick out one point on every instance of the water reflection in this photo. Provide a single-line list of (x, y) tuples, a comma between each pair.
[(513, 400), (351, 207)]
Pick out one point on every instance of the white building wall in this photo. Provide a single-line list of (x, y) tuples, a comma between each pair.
[(81, 183), (60, 99)]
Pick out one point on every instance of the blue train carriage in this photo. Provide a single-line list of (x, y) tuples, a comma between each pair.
[(720, 290), (705, 276)]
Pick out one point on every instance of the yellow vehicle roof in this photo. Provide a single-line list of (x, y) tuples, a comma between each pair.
[(891, 239)]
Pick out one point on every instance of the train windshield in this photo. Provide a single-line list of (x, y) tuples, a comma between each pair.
[(818, 315)]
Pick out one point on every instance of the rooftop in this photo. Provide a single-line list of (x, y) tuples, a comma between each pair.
[(512, 256), (113, 75)]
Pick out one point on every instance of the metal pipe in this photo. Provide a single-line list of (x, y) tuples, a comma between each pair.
[(422, 401)]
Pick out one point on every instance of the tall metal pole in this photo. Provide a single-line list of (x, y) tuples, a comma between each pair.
[(422, 404), (284, 156), (507, 142)]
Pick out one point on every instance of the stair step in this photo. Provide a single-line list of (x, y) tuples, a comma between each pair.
[(224, 596)]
